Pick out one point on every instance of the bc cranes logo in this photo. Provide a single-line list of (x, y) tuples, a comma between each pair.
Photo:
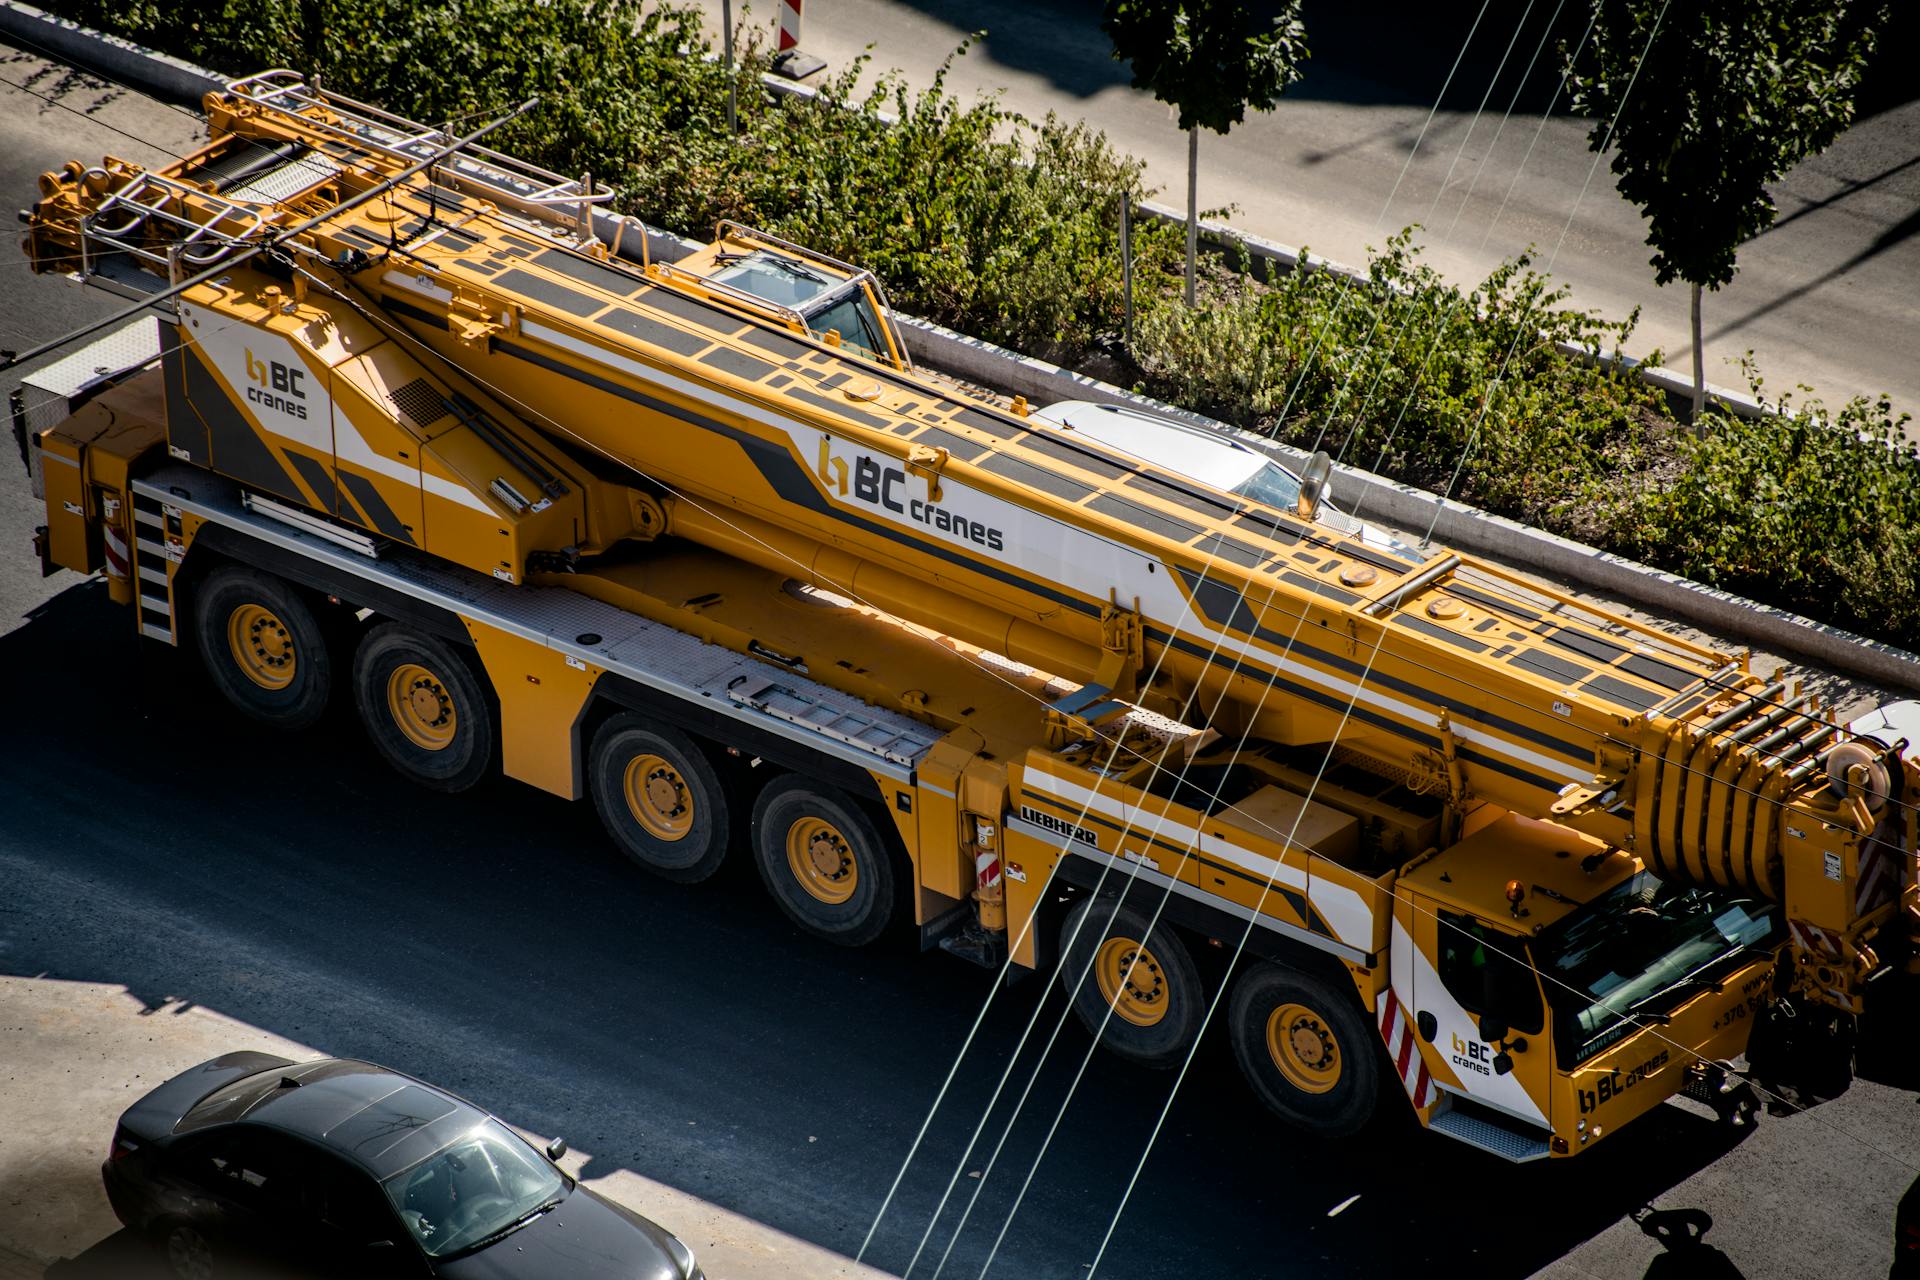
[(1473, 1055), (276, 386), (886, 487), (1614, 1083)]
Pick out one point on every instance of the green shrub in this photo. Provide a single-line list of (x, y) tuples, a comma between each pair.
[(1812, 511), (1407, 374)]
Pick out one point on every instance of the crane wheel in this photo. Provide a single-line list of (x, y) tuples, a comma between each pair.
[(1138, 992), (262, 647), (823, 861), (1307, 1049), (660, 799), (423, 707)]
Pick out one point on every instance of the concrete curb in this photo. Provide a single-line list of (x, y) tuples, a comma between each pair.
[(1456, 524), (162, 76)]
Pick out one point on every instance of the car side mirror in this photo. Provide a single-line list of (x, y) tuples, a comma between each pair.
[(1493, 1028), (1502, 1063), (556, 1148), (1315, 483)]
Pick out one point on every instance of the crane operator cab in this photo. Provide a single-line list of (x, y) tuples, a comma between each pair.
[(1566, 988), (810, 293)]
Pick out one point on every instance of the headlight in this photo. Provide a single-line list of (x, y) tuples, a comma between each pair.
[(683, 1258)]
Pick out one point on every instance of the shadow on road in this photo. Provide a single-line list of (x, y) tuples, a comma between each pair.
[(1894, 235), (493, 943), (121, 1256), (1687, 1256), (1061, 42), (1388, 53)]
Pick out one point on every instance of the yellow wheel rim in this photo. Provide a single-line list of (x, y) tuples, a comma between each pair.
[(1132, 981), (262, 647), (822, 860), (1304, 1048), (421, 707), (658, 797)]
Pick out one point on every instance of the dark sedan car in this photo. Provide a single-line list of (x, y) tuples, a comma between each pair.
[(342, 1168)]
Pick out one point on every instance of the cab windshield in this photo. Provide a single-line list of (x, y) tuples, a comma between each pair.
[(822, 299), (474, 1190), (1637, 951), (777, 279)]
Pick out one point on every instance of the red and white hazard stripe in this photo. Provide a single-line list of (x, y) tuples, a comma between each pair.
[(115, 546), (789, 25), (1397, 1029), (1879, 882), (115, 542), (1812, 938), (986, 870)]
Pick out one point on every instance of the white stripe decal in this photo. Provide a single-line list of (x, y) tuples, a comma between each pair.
[(1148, 824)]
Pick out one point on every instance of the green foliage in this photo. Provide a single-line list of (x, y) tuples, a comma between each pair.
[(1210, 60), (975, 216), (1408, 375), (1731, 95), (1815, 511)]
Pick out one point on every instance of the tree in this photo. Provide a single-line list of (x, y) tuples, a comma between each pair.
[(1210, 60), (1730, 96)]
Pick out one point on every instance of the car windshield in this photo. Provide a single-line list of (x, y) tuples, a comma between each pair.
[(472, 1190), (1641, 940), (1275, 486)]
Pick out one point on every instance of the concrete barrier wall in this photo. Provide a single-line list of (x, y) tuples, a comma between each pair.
[(164, 77)]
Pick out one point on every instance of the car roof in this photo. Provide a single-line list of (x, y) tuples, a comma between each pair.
[(1195, 452), (377, 1118)]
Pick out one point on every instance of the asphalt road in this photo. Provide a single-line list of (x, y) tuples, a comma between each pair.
[(1827, 297), (494, 943)]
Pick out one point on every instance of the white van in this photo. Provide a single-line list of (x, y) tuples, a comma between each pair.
[(1210, 458)]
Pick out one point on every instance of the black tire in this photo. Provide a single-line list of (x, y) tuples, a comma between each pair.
[(188, 1252), (1145, 1003), (423, 707), (262, 647), (660, 799), (837, 883), (1307, 1049)]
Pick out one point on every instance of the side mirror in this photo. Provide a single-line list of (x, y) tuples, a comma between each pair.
[(1493, 1028), (556, 1148), (1315, 484), (1502, 1063)]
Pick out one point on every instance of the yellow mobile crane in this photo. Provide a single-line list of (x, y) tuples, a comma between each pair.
[(691, 538)]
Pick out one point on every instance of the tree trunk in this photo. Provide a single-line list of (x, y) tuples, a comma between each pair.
[(1699, 368), (1193, 204)]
